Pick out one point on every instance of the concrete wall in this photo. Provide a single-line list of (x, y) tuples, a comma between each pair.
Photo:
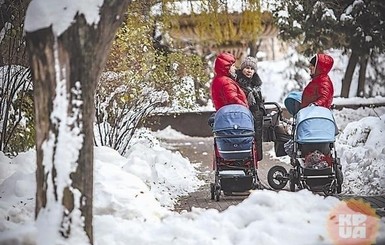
[(189, 123), (195, 123)]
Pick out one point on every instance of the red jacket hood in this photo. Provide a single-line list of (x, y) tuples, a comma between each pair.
[(324, 64), (223, 63)]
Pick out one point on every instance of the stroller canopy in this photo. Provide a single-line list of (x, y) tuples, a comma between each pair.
[(234, 132), (315, 124), (293, 102), (232, 117)]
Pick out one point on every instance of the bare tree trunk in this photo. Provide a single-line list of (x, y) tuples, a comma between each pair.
[(253, 48), (362, 76), (12, 45), (347, 80), (65, 71)]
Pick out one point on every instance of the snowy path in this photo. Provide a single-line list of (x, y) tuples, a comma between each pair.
[(199, 151)]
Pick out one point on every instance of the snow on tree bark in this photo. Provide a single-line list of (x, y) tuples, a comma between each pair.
[(65, 71)]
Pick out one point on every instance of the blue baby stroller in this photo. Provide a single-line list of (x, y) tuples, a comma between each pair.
[(234, 160), (313, 157)]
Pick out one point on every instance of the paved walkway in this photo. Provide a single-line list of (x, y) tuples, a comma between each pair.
[(376, 202), (199, 150)]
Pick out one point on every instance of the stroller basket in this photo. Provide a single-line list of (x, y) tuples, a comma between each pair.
[(318, 178), (233, 183), (234, 132)]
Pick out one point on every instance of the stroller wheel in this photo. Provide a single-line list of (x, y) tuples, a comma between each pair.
[(277, 177), (257, 186), (212, 190), (329, 189), (340, 176), (339, 189), (293, 179), (227, 193), (292, 186), (217, 194)]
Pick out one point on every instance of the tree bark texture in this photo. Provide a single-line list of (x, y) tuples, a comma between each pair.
[(79, 54), (362, 75), (252, 45), (347, 80)]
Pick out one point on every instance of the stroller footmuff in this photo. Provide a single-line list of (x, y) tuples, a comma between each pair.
[(234, 154)]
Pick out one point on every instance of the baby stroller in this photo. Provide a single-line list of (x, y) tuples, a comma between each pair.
[(234, 160), (315, 165)]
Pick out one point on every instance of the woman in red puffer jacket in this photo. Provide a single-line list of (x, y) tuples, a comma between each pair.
[(224, 89), (320, 89)]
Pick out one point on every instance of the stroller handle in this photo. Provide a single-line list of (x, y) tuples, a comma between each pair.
[(277, 106)]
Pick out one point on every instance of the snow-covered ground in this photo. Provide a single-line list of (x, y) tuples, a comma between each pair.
[(134, 194)]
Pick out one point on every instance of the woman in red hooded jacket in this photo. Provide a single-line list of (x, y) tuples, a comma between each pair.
[(224, 89), (320, 89)]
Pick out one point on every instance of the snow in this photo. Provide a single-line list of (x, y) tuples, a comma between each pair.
[(362, 149), (186, 7), (59, 164), (134, 196), (49, 11)]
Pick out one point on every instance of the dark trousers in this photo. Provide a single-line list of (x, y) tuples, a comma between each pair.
[(258, 123)]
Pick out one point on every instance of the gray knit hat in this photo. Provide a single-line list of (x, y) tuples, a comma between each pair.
[(249, 61)]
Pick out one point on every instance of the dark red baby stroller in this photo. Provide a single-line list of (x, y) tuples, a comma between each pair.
[(234, 160)]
